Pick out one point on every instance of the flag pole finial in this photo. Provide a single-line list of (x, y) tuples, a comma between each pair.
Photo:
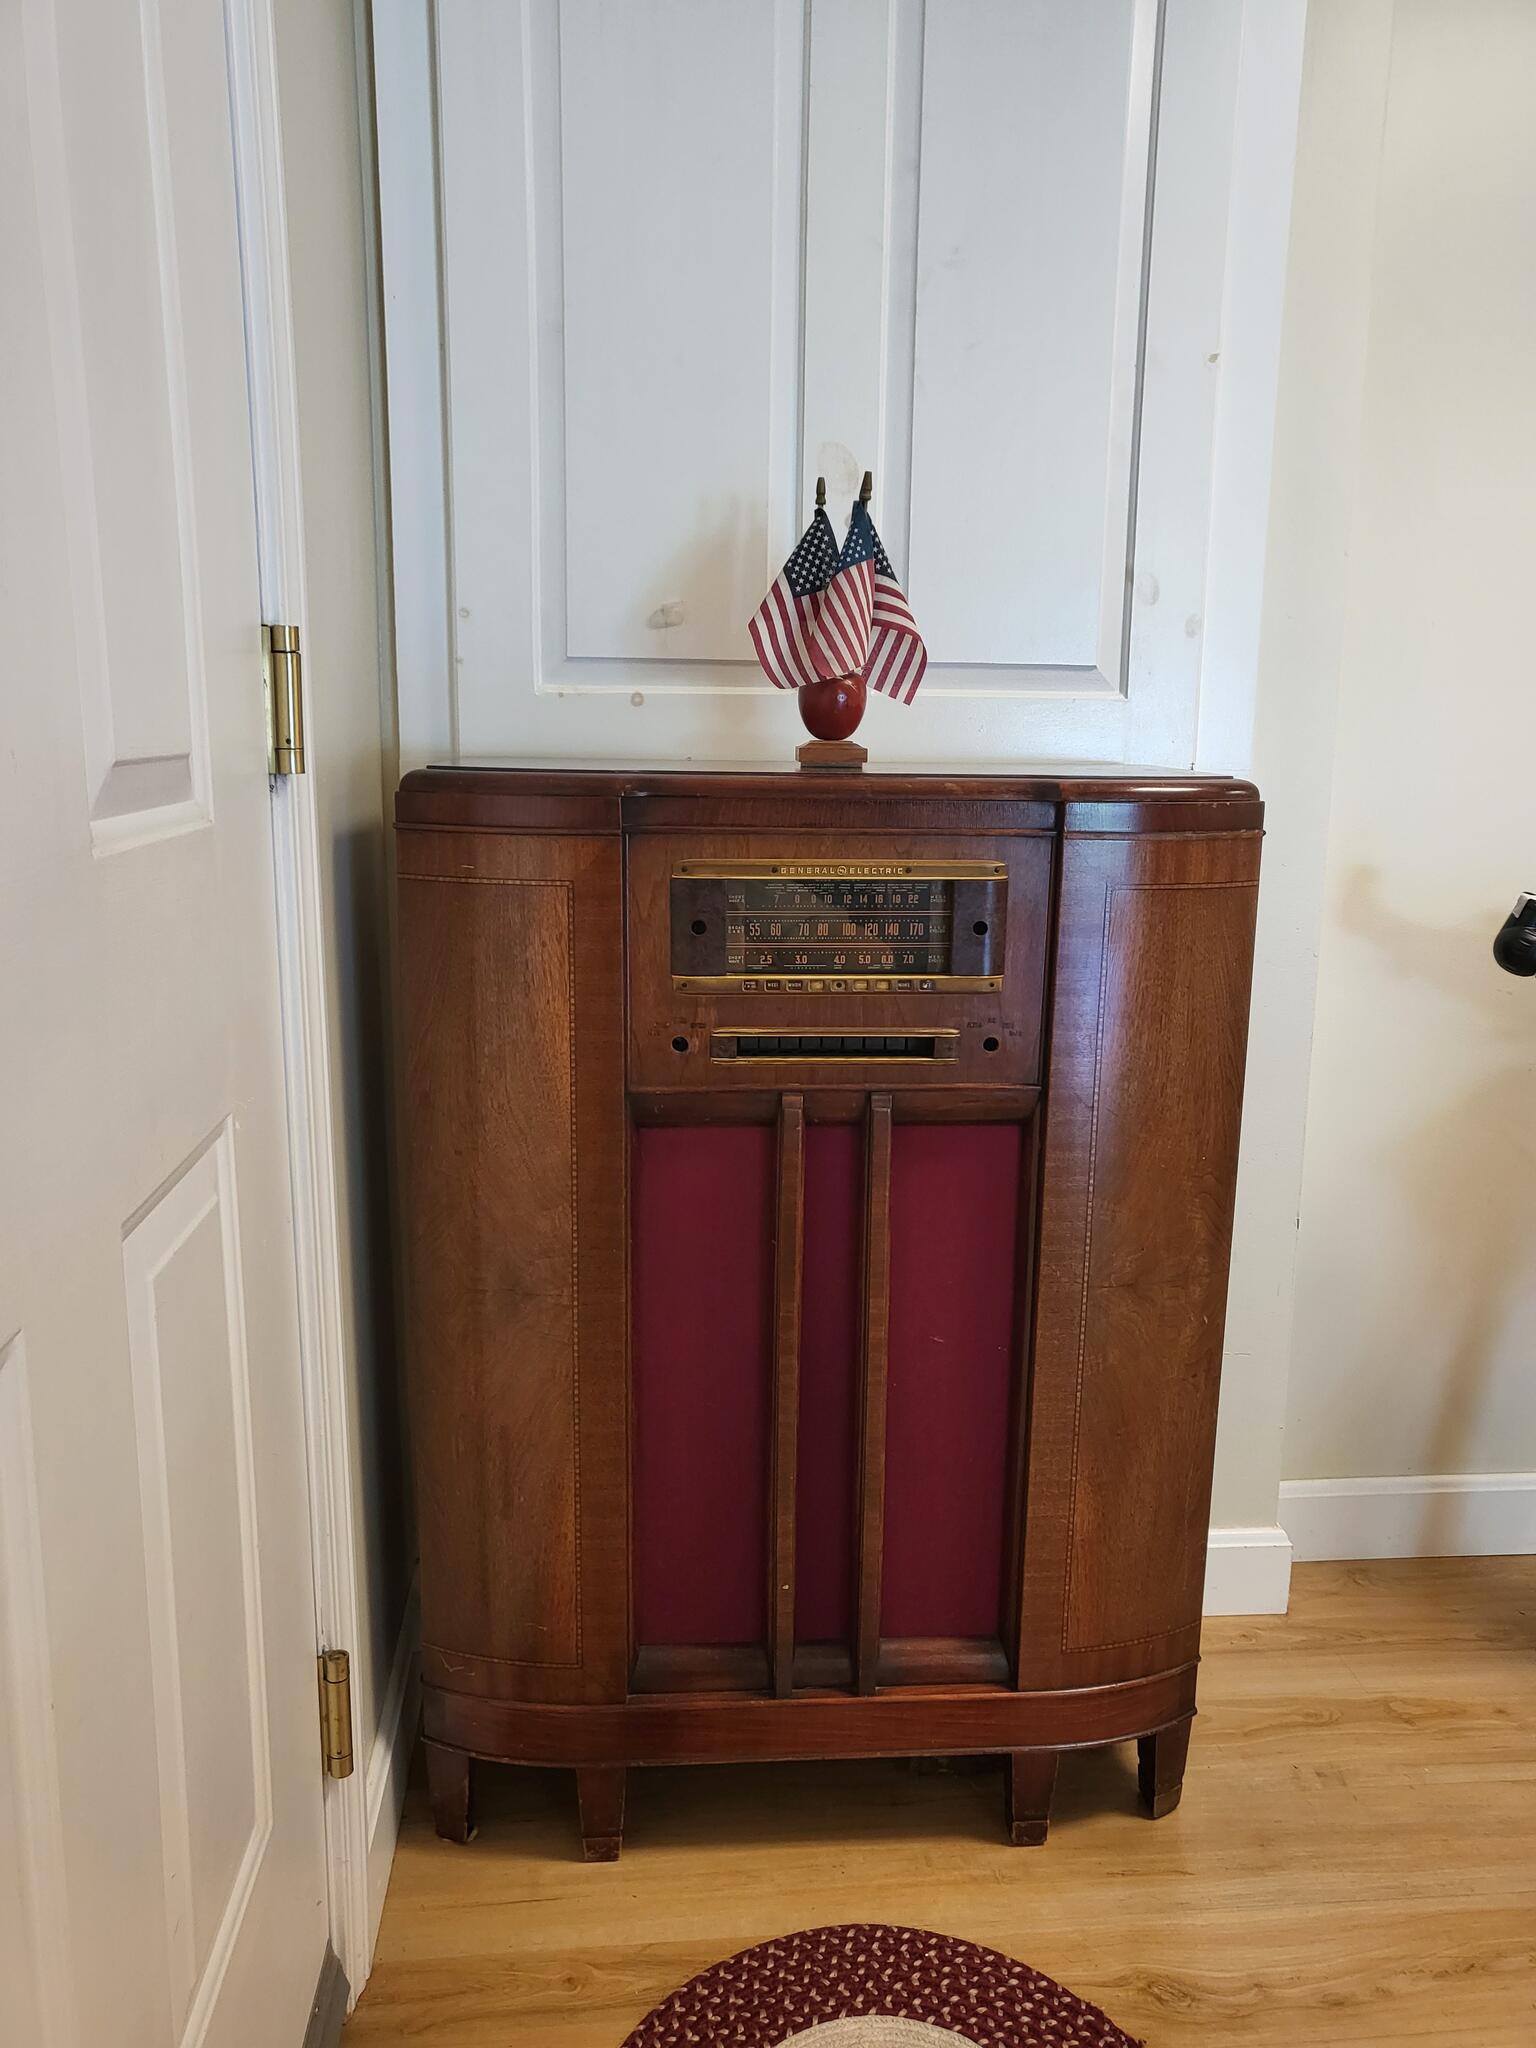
[(821, 494), (867, 488)]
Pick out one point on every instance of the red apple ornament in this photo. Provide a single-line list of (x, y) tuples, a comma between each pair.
[(832, 706)]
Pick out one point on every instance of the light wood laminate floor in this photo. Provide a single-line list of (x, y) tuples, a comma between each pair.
[(1354, 1861)]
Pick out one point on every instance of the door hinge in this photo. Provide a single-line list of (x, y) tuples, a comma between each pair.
[(336, 1713), (282, 679)]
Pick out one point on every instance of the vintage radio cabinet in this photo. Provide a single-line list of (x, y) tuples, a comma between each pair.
[(818, 1192)]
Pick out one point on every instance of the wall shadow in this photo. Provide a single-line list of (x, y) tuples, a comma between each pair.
[(1468, 1170)]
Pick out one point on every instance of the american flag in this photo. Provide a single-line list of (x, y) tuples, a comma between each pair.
[(865, 625), (784, 624), (839, 613)]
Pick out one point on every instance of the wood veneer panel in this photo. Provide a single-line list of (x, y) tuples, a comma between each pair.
[(512, 1117), (1141, 1127), (1172, 1033)]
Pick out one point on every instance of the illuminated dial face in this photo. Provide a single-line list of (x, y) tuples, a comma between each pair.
[(838, 926)]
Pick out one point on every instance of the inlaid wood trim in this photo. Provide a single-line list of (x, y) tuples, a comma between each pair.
[(788, 1262), (873, 1361)]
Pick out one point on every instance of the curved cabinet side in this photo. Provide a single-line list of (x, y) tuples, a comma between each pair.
[(1143, 1099), (513, 1134)]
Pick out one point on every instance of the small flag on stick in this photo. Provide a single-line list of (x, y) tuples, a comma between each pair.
[(839, 612), (865, 624), (784, 625)]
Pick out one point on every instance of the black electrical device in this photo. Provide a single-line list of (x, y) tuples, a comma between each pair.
[(1515, 946)]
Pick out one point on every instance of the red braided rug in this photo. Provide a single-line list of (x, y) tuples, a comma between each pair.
[(874, 1987)]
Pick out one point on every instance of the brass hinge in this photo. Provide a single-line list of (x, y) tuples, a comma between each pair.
[(282, 679), (336, 1713)]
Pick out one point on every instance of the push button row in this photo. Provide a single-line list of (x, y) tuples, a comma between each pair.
[(752, 987)]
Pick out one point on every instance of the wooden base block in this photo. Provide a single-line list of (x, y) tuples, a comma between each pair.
[(600, 1800), (835, 757), (448, 1791), (1160, 1760), (1030, 1781)]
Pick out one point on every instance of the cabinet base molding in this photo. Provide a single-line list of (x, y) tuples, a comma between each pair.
[(671, 1728), (1030, 1730)]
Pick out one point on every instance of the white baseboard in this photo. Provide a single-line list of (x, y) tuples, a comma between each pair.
[(1247, 1571), (389, 1761), (1473, 1514)]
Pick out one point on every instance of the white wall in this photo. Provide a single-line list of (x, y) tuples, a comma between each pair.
[(1287, 747), (1414, 1342)]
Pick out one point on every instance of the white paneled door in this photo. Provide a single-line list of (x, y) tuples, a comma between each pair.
[(651, 266), (161, 1854)]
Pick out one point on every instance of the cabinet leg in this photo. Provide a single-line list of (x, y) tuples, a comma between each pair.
[(448, 1790), (1030, 1779), (1160, 1766), (600, 1799)]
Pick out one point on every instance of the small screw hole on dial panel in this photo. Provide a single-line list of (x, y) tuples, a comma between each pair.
[(980, 927), (989, 1045), (679, 1045), (698, 927)]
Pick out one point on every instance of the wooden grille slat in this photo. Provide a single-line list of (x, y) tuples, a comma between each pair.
[(789, 1234), (872, 1391)]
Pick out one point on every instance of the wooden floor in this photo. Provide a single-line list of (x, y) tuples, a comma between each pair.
[(1354, 1860)]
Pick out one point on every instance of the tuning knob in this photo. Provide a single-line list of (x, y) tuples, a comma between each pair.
[(1515, 946)]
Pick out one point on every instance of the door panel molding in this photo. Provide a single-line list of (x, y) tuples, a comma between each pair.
[(156, 1241), (26, 1715), (143, 688)]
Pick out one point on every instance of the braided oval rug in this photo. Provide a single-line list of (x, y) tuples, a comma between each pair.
[(873, 1987)]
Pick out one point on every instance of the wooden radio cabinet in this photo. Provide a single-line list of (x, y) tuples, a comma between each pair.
[(818, 1194)]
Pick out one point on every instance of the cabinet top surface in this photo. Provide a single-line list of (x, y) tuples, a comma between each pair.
[(1048, 782)]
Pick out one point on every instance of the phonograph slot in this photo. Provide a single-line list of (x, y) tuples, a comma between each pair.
[(834, 1045)]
